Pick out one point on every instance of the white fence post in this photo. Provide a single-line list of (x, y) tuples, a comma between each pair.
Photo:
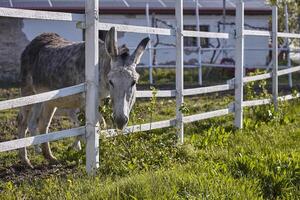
[(275, 55), (149, 46), (92, 84), (239, 64), (286, 23), (199, 44), (179, 68)]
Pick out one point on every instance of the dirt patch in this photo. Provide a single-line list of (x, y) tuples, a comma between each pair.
[(19, 173)]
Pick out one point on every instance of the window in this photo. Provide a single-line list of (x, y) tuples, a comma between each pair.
[(192, 41)]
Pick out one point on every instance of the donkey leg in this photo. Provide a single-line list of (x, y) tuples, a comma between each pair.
[(22, 119), (74, 119), (44, 123), (33, 123)]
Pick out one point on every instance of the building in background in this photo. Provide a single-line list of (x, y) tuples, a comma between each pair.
[(15, 34)]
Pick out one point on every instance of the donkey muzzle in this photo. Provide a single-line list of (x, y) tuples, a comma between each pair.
[(121, 121)]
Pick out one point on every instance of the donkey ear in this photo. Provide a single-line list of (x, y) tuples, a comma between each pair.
[(111, 43), (137, 54)]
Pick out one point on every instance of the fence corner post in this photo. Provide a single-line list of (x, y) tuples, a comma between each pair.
[(92, 85), (239, 64), (275, 56), (179, 69)]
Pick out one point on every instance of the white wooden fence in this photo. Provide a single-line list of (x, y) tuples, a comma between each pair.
[(90, 21)]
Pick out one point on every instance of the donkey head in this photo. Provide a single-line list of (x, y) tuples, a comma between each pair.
[(122, 77)]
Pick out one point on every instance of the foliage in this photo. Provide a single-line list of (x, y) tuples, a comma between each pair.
[(293, 11), (216, 161)]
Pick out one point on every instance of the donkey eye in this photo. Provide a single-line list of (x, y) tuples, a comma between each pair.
[(133, 83), (111, 83)]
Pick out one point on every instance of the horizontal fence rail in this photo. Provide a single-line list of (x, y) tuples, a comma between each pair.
[(257, 77), (205, 34), (142, 127), (288, 71), (207, 115), (159, 93), (288, 35), (256, 102), (131, 28), (257, 33), (39, 139), (259, 102), (42, 15), (269, 74), (38, 98), (206, 90)]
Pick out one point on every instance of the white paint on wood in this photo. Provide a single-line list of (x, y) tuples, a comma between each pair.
[(288, 71), (248, 79), (198, 43), (149, 46), (135, 29), (39, 139), (179, 68), (131, 28), (205, 34), (239, 65), (92, 85), (256, 102), (206, 90), (257, 33), (289, 97), (269, 101), (288, 35), (286, 24), (275, 55), (141, 127), (159, 93), (207, 115), (44, 15), (38, 98)]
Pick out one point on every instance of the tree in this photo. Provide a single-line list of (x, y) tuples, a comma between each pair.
[(294, 15)]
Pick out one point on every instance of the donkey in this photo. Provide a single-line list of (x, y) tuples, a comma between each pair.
[(50, 62)]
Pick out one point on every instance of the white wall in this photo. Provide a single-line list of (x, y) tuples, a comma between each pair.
[(68, 30)]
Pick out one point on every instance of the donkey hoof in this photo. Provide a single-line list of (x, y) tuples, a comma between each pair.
[(27, 163)]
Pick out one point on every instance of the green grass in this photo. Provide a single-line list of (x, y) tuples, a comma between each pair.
[(216, 161)]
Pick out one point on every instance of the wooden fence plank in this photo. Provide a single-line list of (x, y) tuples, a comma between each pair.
[(131, 28), (42, 15), (248, 79), (206, 90), (39, 139), (136, 29), (257, 33), (288, 71), (159, 93), (142, 127), (38, 98), (256, 102), (204, 34), (288, 35), (206, 115)]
